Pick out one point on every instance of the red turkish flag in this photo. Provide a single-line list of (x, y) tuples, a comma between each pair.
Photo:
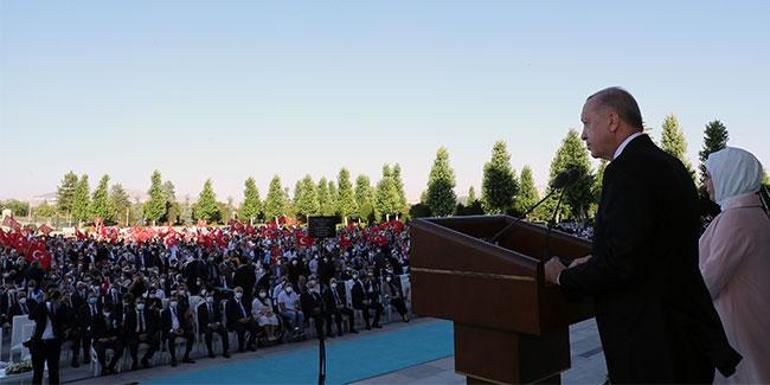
[(12, 223), (38, 252), (45, 229), (80, 235)]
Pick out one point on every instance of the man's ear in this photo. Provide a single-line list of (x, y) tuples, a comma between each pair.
[(613, 122)]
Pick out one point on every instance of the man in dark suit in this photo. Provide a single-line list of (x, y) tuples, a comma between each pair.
[(45, 344), (655, 316), (336, 303), (210, 322), (142, 326), (178, 323), (239, 319), (313, 305), (106, 336), (365, 296)]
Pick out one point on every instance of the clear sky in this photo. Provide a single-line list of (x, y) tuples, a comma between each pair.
[(228, 90)]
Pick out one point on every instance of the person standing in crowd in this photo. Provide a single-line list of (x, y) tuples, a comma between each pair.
[(45, 344), (653, 311), (735, 260)]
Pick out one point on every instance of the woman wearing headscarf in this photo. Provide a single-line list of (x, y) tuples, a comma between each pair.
[(735, 261)]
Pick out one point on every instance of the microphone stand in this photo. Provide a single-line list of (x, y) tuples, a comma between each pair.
[(321, 340), (551, 224), (509, 226)]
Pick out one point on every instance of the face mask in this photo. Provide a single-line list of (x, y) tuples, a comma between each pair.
[(334, 285), (262, 294), (387, 279), (238, 295), (355, 276), (92, 301), (106, 314), (210, 299), (289, 290), (140, 306), (22, 300), (173, 303)]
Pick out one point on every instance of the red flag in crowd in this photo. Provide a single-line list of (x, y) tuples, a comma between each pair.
[(79, 234), (12, 223), (38, 252), (45, 229)]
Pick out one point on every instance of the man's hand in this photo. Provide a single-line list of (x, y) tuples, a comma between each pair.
[(580, 261), (553, 268)]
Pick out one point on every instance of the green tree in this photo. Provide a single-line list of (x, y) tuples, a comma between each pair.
[(673, 141), (275, 203), (81, 203), (715, 138), (172, 206), (364, 195), (441, 183), (119, 203), (305, 197), (206, 207), (100, 204), (45, 210), (346, 202), (578, 197), (65, 193), (528, 194), (17, 207), (403, 205), (322, 191), (498, 188), (251, 205), (386, 196), (186, 211), (331, 208), (155, 207), (471, 196)]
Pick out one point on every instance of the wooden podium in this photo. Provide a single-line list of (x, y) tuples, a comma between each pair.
[(509, 327)]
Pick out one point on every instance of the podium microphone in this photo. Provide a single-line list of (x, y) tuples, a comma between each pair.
[(561, 182)]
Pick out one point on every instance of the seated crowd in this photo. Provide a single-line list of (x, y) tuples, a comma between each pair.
[(264, 285)]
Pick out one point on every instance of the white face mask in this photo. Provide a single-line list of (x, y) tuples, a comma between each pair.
[(238, 295), (334, 285), (262, 295), (172, 303), (140, 306), (210, 299), (106, 314), (289, 290)]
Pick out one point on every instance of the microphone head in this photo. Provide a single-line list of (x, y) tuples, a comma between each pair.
[(565, 178)]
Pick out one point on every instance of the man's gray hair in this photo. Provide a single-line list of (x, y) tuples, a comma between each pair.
[(620, 101)]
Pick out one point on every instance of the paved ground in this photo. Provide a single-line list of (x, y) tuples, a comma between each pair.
[(587, 364)]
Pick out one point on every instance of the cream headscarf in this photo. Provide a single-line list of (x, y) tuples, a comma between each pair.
[(734, 172)]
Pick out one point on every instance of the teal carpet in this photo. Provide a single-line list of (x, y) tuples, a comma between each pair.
[(347, 361)]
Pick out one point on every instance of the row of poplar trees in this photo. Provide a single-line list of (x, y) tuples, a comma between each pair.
[(502, 190)]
